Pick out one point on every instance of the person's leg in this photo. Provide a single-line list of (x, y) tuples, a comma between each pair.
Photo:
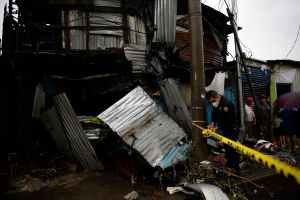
[(282, 141), (288, 142), (292, 143), (295, 140), (233, 158)]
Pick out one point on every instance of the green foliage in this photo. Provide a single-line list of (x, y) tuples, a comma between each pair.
[(208, 173)]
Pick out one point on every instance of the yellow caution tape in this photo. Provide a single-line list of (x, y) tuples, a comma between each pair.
[(280, 167)]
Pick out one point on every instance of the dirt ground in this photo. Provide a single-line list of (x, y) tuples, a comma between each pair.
[(89, 186)]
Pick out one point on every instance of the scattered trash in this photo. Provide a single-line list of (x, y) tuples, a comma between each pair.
[(28, 183), (205, 162), (263, 144), (173, 190), (210, 192), (131, 196)]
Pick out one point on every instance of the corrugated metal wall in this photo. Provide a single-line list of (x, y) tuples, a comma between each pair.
[(105, 30), (104, 3), (107, 3), (296, 83), (165, 20), (212, 53), (137, 32), (260, 82)]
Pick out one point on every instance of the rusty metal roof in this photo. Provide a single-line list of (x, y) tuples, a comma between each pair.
[(142, 124), (212, 53)]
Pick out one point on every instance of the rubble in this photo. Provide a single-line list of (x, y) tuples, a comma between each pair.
[(131, 196)]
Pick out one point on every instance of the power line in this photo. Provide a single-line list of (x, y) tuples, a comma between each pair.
[(248, 50), (293, 44)]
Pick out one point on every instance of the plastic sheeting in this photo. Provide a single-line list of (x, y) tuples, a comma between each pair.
[(218, 83)]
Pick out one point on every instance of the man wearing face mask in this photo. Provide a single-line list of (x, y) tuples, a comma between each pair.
[(223, 116)]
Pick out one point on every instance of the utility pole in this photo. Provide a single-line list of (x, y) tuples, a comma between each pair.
[(197, 77), (10, 9), (238, 67), (232, 22)]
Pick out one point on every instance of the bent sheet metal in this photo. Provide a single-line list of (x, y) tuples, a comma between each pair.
[(142, 124)]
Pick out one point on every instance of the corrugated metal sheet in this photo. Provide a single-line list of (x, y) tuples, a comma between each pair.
[(137, 31), (137, 56), (141, 123), (165, 20), (105, 19), (107, 3), (104, 3), (212, 53), (296, 83), (175, 104), (81, 146), (98, 38), (77, 37), (257, 76), (260, 80), (51, 120), (258, 90), (97, 42), (38, 101), (177, 154), (210, 192)]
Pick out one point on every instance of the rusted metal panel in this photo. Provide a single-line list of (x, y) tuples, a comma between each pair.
[(165, 20), (142, 124), (212, 53)]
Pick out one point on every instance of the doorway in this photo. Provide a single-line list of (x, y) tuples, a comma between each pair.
[(282, 88)]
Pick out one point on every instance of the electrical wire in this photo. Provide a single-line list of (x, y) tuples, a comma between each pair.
[(294, 43), (215, 29), (247, 49)]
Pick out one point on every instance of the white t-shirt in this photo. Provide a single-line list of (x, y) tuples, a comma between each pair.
[(249, 114)]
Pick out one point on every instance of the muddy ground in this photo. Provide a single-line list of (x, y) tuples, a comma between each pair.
[(89, 186)]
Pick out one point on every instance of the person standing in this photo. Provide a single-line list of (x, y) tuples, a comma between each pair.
[(288, 115), (278, 128), (264, 118), (250, 119), (223, 116)]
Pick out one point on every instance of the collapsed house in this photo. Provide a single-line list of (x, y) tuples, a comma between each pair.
[(64, 59)]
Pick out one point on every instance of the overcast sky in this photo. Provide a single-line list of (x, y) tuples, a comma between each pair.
[(269, 27)]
